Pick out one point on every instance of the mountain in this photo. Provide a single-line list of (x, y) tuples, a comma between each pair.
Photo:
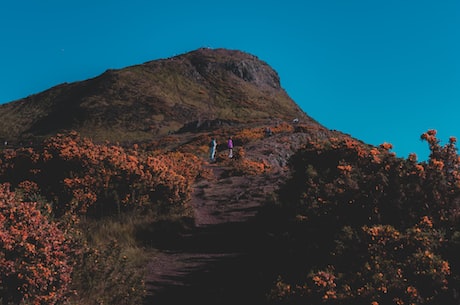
[(196, 90), (299, 215)]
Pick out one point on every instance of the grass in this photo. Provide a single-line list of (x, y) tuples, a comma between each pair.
[(150, 99), (116, 251)]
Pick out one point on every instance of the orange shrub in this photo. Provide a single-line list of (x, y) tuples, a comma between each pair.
[(250, 134), (247, 135), (241, 165), (375, 229), (78, 175), (34, 254)]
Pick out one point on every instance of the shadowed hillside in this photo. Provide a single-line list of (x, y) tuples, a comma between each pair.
[(205, 87)]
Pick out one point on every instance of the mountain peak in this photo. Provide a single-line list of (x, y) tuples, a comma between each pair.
[(244, 65), (156, 98)]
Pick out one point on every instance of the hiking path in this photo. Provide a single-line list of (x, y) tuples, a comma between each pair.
[(218, 260)]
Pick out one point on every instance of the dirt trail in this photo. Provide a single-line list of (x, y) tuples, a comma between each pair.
[(218, 261)]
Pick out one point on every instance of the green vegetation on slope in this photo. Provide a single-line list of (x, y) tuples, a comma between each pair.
[(155, 98)]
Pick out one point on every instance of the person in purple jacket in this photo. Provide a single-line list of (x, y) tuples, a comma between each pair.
[(230, 147)]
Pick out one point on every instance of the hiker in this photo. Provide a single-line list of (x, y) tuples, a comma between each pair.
[(212, 148), (268, 132), (230, 147)]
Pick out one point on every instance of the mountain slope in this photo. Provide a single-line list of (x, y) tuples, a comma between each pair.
[(205, 86)]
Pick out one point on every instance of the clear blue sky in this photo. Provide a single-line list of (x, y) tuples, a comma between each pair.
[(382, 71)]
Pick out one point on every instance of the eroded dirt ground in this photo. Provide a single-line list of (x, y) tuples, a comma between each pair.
[(220, 260)]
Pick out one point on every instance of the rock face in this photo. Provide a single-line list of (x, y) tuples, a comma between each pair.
[(156, 98), (245, 66)]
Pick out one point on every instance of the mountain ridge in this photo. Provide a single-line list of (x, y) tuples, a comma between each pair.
[(156, 98)]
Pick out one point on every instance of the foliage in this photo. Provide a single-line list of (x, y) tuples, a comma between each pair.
[(80, 176), (247, 135), (35, 264), (369, 228), (82, 179), (106, 275), (240, 165)]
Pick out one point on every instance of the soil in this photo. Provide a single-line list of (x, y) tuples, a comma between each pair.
[(220, 260)]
